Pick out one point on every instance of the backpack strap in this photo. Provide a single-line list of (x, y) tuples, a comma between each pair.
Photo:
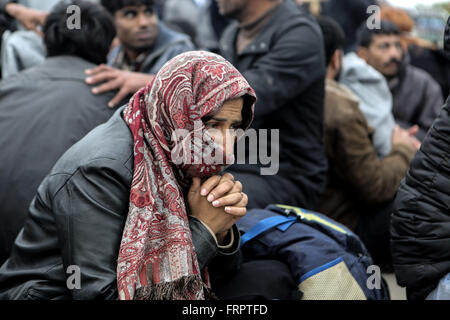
[(282, 222)]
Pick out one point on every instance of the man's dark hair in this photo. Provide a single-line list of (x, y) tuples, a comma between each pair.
[(333, 36), (365, 35), (115, 5), (91, 41)]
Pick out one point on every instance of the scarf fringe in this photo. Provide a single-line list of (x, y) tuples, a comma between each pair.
[(180, 289)]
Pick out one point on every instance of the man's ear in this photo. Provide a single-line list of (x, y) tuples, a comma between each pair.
[(363, 53), (336, 60)]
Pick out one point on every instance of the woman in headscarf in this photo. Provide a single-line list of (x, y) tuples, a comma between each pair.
[(138, 209)]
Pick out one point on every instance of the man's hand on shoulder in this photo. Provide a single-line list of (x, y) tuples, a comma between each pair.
[(111, 79)]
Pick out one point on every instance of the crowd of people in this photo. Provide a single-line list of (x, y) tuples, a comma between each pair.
[(87, 118)]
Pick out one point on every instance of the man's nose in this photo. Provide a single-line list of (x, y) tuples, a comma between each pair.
[(143, 20), (395, 52)]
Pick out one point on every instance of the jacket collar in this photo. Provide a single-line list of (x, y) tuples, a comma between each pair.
[(166, 38), (66, 67), (339, 89), (355, 69), (261, 44)]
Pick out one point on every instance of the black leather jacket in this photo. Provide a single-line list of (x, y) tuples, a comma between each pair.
[(77, 218)]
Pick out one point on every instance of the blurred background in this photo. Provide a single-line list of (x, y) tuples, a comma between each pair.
[(429, 16)]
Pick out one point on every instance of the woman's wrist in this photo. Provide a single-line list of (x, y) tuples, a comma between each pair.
[(221, 238), (227, 241)]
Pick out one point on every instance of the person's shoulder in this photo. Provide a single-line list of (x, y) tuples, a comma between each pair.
[(414, 73), (108, 146), (341, 106), (26, 78), (420, 79), (341, 92), (290, 15), (295, 29), (170, 36)]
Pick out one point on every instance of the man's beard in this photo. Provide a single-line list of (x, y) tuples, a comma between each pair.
[(234, 12), (337, 77), (398, 63)]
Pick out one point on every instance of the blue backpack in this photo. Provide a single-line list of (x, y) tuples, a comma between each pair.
[(328, 261)]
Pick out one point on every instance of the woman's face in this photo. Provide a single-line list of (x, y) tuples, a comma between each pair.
[(222, 126)]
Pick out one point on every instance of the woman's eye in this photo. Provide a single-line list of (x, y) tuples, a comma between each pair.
[(149, 12), (212, 125)]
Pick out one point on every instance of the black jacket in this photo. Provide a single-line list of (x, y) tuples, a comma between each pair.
[(350, 14), (77, 219), (421, 219), (285, 65), (43, 112)]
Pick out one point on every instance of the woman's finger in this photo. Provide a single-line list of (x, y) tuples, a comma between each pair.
[(237, 187), (224, 187), (238, 212), (229, 200), (209, 184), (228, 176), (243, 202), (223, 190)]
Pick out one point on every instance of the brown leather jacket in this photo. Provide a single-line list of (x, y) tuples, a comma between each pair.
[(357, 179)]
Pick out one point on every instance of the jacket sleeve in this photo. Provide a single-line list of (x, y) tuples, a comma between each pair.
[(3, 4), (290, 66), (207, 250), (420, 230), (433, 103), (227, 260), (89, 216), (374, 180)]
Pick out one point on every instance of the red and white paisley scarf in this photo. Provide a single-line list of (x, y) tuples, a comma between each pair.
[(157, 259)]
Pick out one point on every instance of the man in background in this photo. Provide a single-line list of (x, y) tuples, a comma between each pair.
[(361, 186), (146, 44), (279, 50), (417, 97), (46, 109)]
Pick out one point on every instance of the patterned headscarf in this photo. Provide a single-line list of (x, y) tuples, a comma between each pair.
[(157, 259)]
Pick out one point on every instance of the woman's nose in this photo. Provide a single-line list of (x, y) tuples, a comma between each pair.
[(228, 142)]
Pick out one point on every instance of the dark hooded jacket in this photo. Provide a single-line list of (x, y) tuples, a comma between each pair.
[(421, 219)]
